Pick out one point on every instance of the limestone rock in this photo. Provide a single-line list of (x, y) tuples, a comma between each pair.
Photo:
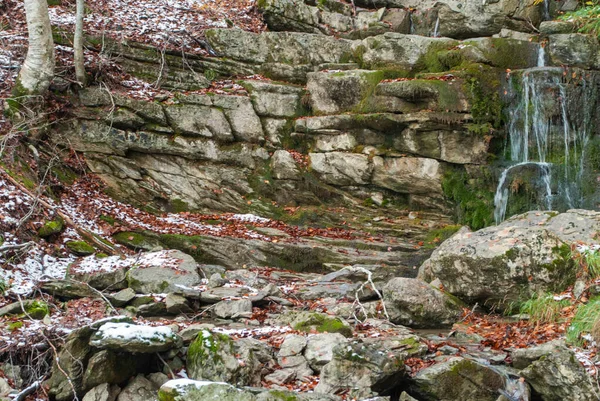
[(176, 304), (274, 100), (108, 367), (138, 389), (558, 375), (233, 309), (523, 255), (284, 166), (364, 367), (200, 121), (338, 92), (319, 349), (122, 297), (212, 356), (240, 113), (458, 379), (133, 338), (102, 392), (574, 49), (340, 168), (163, 271), (411, 175), (414, 303)]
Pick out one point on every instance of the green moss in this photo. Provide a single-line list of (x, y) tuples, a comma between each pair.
[(108, 219), (135, 240), (280, 395), (178, 206), (474, 204), (437, 236), (15, 325), (438, 59), (324, 324), (51, 228), (64, 175), (37, 310), (80, 248)]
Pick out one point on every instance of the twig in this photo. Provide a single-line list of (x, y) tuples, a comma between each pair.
[(11, 247), (32, 388), (369, 274)]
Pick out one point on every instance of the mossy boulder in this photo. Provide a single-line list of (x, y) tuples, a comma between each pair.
[(137, 241), (525, 254), (458, 379), (51, 228), (320, 322), (213, 357), (414, 303), (80, 248)]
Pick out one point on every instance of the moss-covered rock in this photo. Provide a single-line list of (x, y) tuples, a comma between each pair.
[(212, 356), (51, 228), (80, 248)]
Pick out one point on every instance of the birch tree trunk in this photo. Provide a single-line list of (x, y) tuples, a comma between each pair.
[(78, 43), (38, 68)]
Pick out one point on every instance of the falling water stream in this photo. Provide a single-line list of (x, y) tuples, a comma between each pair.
[(547, 144)]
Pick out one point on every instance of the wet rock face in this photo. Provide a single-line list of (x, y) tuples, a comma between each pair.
[(523, 255)]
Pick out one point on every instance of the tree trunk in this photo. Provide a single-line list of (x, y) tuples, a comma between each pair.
[(38, 68), (78, 43)]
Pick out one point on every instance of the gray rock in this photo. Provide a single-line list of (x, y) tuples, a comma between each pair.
[(158, 378), (191, 390), (458, 379), (133, 338), (292, 345), (340, 168), (523, 357), (274, 100), (284, 166), (108, 367), (574, 49), (296, 364), (213, 357), (5, 388), (176, 304), (557, 27), (122, 297), (138, 389), (338, 92), (102, 392), (559, 376), (215, 295), (162, 272), (216, 280), (331, 143), (191, 332), (104, 274), (523, 255), (411, 175), (365, 367), (319, 349), (200, 121), (414, 303), (233, 309), (240, 113)]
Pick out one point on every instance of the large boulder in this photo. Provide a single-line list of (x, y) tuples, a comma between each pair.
[(574, 50), (458, 379), (126, 337), (558, 375), (339, 168), (319, 349), (367, 366), (163, 271), (214, 357), (414, 303), (519, 257)]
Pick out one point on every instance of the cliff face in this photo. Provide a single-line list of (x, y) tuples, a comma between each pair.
[(358, 104)]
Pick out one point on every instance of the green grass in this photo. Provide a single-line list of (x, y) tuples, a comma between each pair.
[(586, 19), (543, 308), (586, 317), (589, 260)]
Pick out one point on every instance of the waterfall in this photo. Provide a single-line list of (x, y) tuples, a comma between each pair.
[(541, 61), (436, 29), (547, 16), (549, 126)]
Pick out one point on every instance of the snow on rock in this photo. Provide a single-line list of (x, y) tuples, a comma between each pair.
[(134, 338)]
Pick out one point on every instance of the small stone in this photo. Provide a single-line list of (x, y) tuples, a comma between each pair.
[(233, 309), (216, 280), (102, 392), (122, 297), (176, 304), (293, 344), (281, 376)]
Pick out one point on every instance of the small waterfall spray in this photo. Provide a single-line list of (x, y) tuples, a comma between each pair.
[(547, 143), (541, 61), (436, 29)]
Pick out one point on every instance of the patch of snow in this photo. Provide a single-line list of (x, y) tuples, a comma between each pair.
[(250, 218), (128, 331)]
